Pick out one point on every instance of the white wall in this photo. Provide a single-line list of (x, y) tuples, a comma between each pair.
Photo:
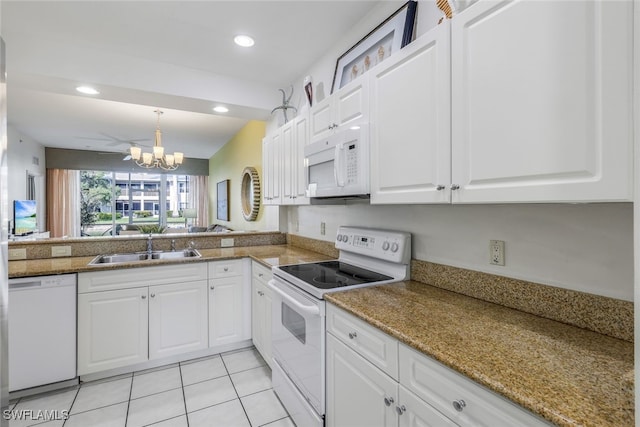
[(587, 247), (21, 155)]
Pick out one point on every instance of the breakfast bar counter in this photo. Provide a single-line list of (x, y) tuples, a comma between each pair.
[(268, 255)]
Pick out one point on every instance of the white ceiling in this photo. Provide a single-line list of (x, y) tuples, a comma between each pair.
[(176, 55)]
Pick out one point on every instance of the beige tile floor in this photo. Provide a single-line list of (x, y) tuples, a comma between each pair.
[(227, 390)]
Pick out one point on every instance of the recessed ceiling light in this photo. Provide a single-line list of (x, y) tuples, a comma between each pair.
[(87, 90), (243, 40), (221, 109)]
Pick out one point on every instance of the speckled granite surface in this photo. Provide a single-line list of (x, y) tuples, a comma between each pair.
[(607, 316), (568, 375), (87, 246), (268, 255)]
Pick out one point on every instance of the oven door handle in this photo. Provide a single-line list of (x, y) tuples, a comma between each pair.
[(312, 310)]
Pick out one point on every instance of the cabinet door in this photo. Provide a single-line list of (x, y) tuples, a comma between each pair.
[(288, 153), (301, 138), (415, 412), (261, 319), (177, 318), (351, 103), (112, 329), (356, 390), (226, 311), (272, 164), (321, 119), (267, 170), (542, 113), (411, 123)]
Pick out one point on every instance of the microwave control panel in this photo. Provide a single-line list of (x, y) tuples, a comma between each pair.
[(352, 163)]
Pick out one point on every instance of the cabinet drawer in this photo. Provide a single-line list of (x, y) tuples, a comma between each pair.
[(228, 268), (260, 272), (445, 389), (145, 276), (373, 344)]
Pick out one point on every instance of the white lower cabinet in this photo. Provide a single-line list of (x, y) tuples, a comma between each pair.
[(112, 329), (177, 319), (261, 310), (226, 321), (357, 391), (428, 394)]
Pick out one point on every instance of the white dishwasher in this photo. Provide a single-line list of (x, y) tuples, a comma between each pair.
[(42, 330)]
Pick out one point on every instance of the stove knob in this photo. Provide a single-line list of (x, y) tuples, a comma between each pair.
[(394, 247), (385, 246)]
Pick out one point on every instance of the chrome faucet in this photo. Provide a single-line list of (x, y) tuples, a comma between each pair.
[(149, 246)]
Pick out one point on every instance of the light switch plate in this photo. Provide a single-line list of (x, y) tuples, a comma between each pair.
[(226, 243), (16, 254), (57, 251)]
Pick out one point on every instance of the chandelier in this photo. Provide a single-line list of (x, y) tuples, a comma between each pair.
[(157, 159)]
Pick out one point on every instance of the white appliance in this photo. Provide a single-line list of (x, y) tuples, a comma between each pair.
[(42, 330), (367, 257), (338, 165)]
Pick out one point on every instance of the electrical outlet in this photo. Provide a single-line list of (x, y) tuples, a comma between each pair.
[(496, 252), (323, 228), (16, 254), (57, 251), (226, 243)]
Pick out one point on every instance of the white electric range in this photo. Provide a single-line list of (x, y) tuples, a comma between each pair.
[(367, 257)]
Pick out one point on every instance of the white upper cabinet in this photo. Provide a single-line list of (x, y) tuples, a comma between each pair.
[(541, 101), (347, 106), (411, 123), (294, 136), (271, 169)]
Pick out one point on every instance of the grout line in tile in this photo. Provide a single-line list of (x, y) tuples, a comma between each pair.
[(126, 418), (153, 394), (274, 421), (184, 397), (236, 391)]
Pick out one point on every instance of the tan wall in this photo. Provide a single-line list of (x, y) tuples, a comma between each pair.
[(244, 149)]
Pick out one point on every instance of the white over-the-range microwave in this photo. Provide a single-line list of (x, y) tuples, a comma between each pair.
[(338, 165)]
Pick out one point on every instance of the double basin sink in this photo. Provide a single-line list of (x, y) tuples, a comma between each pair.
[(145, 256)]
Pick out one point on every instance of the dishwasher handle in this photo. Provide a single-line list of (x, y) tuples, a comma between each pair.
[(24, 285)]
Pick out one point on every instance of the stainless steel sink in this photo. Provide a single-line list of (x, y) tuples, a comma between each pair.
[(187, 253), (144, 256)]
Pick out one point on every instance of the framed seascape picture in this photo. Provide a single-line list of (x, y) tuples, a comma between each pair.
[(387, 38), (223, 200)]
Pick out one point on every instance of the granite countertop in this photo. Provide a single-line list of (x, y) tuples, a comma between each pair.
[(268, 255), (567, 375)]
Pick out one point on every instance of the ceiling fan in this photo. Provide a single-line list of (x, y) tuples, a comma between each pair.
[(115, 141)]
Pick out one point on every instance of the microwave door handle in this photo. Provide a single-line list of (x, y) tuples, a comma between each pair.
[(311, 310), (338, 165)]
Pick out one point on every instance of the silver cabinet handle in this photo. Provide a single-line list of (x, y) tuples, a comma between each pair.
[(153, 295), (401, 409), (226, 269), (260, 274), (261, 293), (212, 287), (388, 401), (352, 335), (440, 187), (455, 187), (459, 405), (144, 297)]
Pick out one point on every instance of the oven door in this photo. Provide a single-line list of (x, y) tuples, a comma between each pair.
[(298, 340)]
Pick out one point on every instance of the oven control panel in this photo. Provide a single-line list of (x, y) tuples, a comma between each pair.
[(394, 246)]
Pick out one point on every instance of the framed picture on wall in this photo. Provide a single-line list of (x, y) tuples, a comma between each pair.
[(384, 40), (223, 200)]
